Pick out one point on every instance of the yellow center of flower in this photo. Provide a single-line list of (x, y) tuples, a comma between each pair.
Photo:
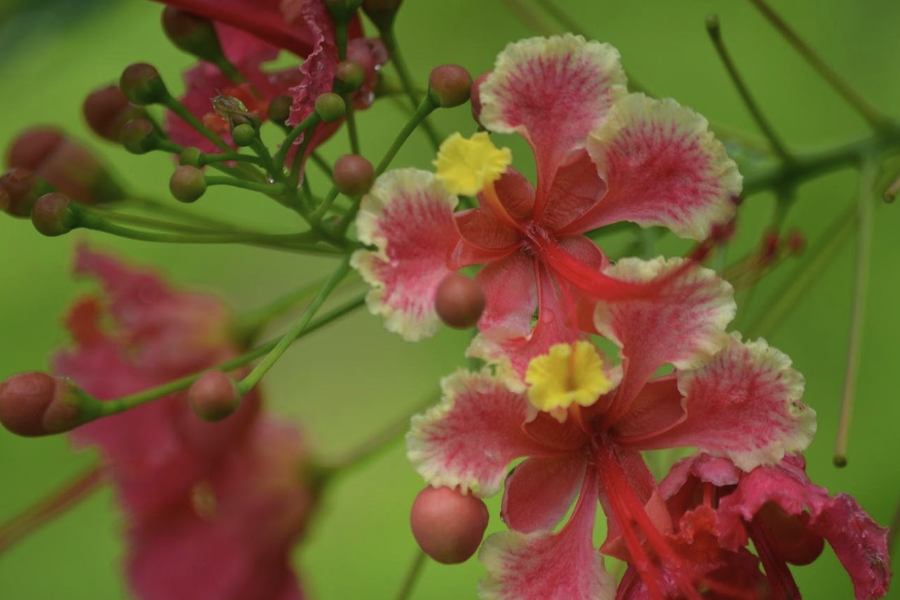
[(568, 374), (466, 166)]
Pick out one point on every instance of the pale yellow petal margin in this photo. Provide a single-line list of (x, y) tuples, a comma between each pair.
[(386, 189), (635, 109), (715, 305), (509, 62)]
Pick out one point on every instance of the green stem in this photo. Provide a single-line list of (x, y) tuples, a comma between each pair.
[(867, 177), (296, 330), (307, 123), (351, 125), (270, 189), (210, 159), (412, 575), (425, 108), (181, 110)]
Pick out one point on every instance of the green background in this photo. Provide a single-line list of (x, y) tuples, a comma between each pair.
[(346, 381)]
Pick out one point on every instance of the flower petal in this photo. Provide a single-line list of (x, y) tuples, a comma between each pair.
[(472, 435), (549, 566), (408, 216), (662, 167), (744, 405), (553, 91), (539, 491), (576, 188), (510, 293)]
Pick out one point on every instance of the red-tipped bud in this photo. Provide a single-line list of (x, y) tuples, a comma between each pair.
[(381, 12), (213, 396), (192, 33), (280, 109), (796, 242), (33, 404), (459, 301), (66, 165), (142, 84), (348, 77), (243, 134), (353, 175), (449, 85), (330, 107), (187, 184), (139, 136), (106, 110), (448, 525), (191, 156), (475, 97), (19, 189), (52, 215)]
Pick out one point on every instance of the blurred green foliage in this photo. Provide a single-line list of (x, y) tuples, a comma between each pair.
[(353, 377)]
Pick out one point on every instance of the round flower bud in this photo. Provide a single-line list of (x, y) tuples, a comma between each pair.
[(447, 525), (34, 147), (35, 403), (381, 12), (19, 189), (459, 301), (280, 109), (342, 10), (192, 33), (348, 77), (187, 184), (475, 97), (139, 136), (213, 396), (191, 156), (142, 84), (52, 215), (353, 175), (107, 109), (243, 134), (449, 85), (330, 107)]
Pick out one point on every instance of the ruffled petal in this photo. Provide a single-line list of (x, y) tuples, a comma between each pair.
[(744, 405), (553, 91), (472, 435), (510, 293), (408, 217), (662, 167), (576, 188), (549, 566), (539, 491)]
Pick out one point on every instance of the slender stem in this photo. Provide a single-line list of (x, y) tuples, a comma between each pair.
[(119, 405), (263, 188), (229, 70), (425, 108), (210, 159), (296, 330), (309, 122), (715, 34), (321, 163), (325, 205), (868, 112), (867, 177), (412, 575), (50, 507), (351, 125), (560, 16), (154, 223), (181, 110)]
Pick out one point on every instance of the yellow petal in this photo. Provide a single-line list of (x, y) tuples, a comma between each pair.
[(465, 166)]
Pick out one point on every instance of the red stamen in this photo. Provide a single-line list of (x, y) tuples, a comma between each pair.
[(781, 580)]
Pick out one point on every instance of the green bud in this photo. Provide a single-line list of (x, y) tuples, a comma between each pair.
[(142, 84), (191, 156), (52, 215), (192, 33), (243, 134), (139, 136), (330, 107), (449, 85), (187, 184)]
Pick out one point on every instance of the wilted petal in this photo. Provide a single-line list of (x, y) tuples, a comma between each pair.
[(662, 167), (472, 435), (553, 91), (408, 216), (539, 491)]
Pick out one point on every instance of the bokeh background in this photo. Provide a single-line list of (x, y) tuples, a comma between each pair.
[(346, 381)]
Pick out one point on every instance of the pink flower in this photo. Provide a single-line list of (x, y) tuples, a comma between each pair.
[(602, 156), (743, 403)]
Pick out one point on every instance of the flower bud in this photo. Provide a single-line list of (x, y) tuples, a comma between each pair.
[(342, 10), (448, 525), (330, 107), (213, 396), (107, 109), (191, 156), (52, 215), (139, 136), (187, 184), (192, 33), (34, 403), (449, 85), (348, 77), (243, 134), (353, 175), (65, 164), (19, 189), (475, 97), (459, 301), (142, 84), (280, 109), (381, 12)]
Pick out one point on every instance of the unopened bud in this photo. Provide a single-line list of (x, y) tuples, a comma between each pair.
[(187, 184), (381, 12), (142, 84), (52, 215), (34, 403), (342, 10), (213, 396), (459, 301), (475, 97), (449, 85), (191, 156), (192, 33), (106, 110), (353, 175), (280, 109), (139, 136), (348, 77), (65, 164), (448, 525), (19, 189), (330, 107), (243, 134)]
